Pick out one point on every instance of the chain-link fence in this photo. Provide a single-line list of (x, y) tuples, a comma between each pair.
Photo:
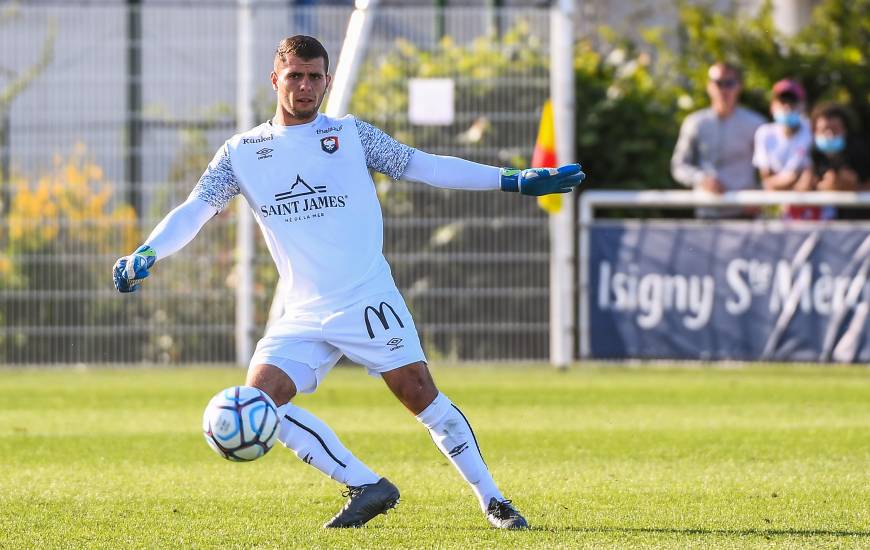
[(110, 111)]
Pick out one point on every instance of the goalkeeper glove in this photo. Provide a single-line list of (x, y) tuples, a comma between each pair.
[(129, 271), (542, 181)]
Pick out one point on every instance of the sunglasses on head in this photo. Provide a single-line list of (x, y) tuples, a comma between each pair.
[(726, 83)]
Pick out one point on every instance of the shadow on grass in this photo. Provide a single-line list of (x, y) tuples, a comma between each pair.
[(717, 532), (768, 533)]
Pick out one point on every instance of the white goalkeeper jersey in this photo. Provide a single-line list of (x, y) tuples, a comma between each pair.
[(311, 192)]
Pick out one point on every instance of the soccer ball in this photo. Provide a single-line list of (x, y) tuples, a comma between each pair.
[(240, 423)]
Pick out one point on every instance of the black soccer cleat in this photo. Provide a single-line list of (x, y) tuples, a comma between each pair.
[(364, 503), (502, 515)]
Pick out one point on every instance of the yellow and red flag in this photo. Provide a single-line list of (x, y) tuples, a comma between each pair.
[(545, 155)]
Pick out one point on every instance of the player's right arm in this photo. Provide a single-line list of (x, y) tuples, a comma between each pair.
[(215, 189), (177, 229)]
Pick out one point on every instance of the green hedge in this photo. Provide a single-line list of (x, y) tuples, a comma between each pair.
[(631, 101), (631, 96)]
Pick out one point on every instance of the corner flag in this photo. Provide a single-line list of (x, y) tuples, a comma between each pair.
[(545, 155)]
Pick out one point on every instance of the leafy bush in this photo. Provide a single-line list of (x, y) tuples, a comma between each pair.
[(64, 228), (625, 115), (439, 240), (68, 209), (632, 98), (829, 56), (60, 230)]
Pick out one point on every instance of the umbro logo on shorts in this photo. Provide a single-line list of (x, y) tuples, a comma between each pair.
[(395, 343)]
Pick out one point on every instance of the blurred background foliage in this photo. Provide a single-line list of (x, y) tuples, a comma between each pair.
[(631, 96), (73, 195), (69, 209), (498, 245)]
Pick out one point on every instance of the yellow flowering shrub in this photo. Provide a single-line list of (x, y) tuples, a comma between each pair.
[(70, 208)]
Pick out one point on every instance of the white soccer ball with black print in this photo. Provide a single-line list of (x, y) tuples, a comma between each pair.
[(240, 423)]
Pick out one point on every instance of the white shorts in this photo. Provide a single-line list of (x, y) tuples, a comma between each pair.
[(376, 332)]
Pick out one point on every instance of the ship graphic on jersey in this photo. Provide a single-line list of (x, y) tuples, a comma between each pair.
[(302, 202), (300, 189)]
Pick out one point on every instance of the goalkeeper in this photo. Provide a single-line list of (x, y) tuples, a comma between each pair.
[(306, 178)]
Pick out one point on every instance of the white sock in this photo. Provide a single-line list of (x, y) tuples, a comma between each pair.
[(452, 434), (316, 444)]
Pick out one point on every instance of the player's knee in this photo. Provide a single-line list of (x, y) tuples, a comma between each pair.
[(273, 381), (413, 385)]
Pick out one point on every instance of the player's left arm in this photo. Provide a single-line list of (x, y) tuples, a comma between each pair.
[(397, 160)]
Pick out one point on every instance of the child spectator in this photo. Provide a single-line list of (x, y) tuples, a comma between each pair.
[(782, 148), (839, 161)]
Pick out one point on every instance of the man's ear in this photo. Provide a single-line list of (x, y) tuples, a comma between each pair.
[(328, 80), (274, 78)]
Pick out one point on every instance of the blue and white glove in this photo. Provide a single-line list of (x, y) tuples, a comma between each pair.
[(129, 271), (542, 181)]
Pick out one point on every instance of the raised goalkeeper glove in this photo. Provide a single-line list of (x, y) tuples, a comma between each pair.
[(542, 181), (129, 271)]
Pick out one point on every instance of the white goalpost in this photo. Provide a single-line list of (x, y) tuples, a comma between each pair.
[(562, 234)]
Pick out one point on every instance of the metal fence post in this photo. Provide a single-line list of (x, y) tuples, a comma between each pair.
[(562, 223), (245, 227), (586, 215), (133, 153)]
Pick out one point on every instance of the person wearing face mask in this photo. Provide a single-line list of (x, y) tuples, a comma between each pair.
[(714, 150), (782, 148), (839, 160)]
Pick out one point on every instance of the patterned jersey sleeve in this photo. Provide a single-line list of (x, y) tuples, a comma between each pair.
[(218, 184), (383, 153)]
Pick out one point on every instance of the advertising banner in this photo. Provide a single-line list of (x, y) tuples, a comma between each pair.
[(739, 290)]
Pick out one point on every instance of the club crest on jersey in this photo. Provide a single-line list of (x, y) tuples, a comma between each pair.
[(329, 144)]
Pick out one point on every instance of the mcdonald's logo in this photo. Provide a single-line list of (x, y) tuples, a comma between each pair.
[(382, 317)]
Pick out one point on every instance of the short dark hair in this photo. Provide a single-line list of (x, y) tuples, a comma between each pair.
[(728, 66), (304, 47), (831, 110)]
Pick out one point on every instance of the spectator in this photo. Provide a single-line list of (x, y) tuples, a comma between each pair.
[(839, 160), (782, 148), (714, 150)]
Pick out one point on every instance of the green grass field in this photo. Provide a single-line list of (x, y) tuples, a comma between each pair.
[(594, 457)]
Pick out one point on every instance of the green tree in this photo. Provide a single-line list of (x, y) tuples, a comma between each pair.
[(829, 56), (15, 83)]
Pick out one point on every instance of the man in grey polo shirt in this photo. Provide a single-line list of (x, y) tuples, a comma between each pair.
[(714, 151)]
